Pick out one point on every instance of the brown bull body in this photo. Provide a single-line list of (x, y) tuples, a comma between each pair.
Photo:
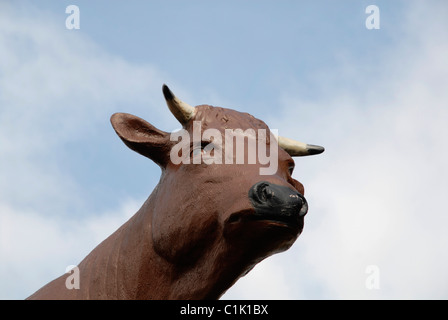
[(197, 233)]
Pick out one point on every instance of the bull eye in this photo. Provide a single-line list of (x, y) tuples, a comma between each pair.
[(199, 150), (291, 170), (196, 152)]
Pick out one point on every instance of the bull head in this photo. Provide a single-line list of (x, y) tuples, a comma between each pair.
[(207, 213)]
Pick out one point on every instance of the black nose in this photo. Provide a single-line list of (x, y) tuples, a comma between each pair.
[(277, 202)]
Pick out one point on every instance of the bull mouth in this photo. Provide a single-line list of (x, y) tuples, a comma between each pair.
[(290, 221), (281, 220)]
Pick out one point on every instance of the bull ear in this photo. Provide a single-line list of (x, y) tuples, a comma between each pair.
[(142, 137)]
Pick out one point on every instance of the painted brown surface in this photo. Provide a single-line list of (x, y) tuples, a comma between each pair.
[(196, 233)]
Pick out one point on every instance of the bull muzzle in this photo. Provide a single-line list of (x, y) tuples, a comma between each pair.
[(278, 203)]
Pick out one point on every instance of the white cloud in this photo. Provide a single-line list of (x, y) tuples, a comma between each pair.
[(35, 249), (266, 281)]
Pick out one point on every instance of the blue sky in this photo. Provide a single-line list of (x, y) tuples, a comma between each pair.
[(375, 99)]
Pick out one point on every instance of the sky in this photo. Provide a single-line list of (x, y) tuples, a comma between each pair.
[(376, 99)]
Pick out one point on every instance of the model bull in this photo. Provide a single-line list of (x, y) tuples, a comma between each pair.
[(204, 225)]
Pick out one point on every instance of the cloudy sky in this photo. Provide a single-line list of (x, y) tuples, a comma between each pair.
[(376, 99)]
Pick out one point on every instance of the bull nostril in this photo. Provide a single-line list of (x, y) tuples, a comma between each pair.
[(264, 193), (267, 193)]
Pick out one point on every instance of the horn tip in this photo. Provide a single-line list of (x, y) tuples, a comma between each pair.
[(313, 149), (167, 92)]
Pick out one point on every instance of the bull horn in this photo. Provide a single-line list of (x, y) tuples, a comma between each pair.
[(298, 149), (181, 110)]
